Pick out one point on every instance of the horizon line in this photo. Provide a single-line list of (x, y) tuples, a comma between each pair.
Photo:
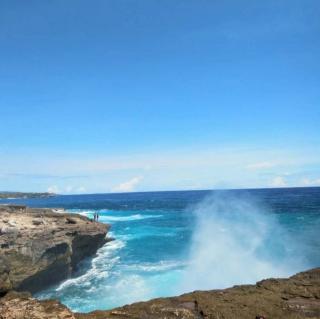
[(161, 191)]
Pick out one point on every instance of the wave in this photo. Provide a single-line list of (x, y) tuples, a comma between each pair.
[(86, 213), (110, 218), (99, 269), (155, 267), (127, 218)]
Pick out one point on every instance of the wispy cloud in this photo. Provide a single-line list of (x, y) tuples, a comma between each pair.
[(278, 181), (44, 176), (53, 189), (166, 170), (260, 165), (310, 182), (128, 186), (66, 189)]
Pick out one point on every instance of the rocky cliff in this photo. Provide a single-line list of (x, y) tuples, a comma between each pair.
[(294, 298), (39, 247)]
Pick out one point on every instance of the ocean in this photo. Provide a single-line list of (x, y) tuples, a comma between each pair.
[(168, 243)]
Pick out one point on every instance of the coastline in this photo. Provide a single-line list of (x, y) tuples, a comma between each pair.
[(42, 246), (294, 298), (24, 195)]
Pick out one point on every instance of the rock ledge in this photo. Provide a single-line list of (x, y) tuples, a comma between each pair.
[(40, 247)]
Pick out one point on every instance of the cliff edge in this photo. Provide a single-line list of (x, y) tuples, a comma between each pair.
[(40, 247)]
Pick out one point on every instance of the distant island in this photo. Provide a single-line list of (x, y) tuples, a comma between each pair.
[(16, 195)]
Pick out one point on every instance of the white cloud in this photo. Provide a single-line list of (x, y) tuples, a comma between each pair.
[(66, 189), (81, 189), (239, 167), (260, 165), (278, 181), (128, 186), (53, 189), (310, 182), (74, 189)]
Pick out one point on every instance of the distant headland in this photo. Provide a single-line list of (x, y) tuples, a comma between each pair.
[(17, 195)]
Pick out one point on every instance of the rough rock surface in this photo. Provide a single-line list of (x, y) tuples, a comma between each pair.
[(39, 247), (294, 298), (22, 306)]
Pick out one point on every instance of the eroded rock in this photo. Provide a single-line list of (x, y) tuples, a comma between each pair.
[(294, 298), (22, 306), (40, 247)]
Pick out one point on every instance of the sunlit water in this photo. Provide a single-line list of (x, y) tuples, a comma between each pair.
[(167, 243)]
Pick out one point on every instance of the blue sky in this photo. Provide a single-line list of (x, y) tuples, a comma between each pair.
[(113, 95)]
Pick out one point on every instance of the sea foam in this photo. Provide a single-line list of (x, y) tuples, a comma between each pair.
[(99, 268), (105, 218)]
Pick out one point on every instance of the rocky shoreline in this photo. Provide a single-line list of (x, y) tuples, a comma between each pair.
[(40, 247), (294, 298)]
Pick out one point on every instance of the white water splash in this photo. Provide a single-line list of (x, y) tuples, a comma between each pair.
[(236, 241), (99, 269)]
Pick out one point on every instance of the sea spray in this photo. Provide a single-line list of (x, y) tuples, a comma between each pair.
[(236, 240)]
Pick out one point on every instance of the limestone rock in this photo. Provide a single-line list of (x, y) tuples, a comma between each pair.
[(40, 247), (294, 298), (22, 306)]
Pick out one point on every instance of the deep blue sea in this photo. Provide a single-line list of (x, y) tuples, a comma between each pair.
[(167, 243)]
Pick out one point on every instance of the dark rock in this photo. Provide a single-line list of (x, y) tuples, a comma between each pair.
[(70, 220), (37, 222)]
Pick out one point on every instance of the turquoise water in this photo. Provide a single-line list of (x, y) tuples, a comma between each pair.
[(167, 243)]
